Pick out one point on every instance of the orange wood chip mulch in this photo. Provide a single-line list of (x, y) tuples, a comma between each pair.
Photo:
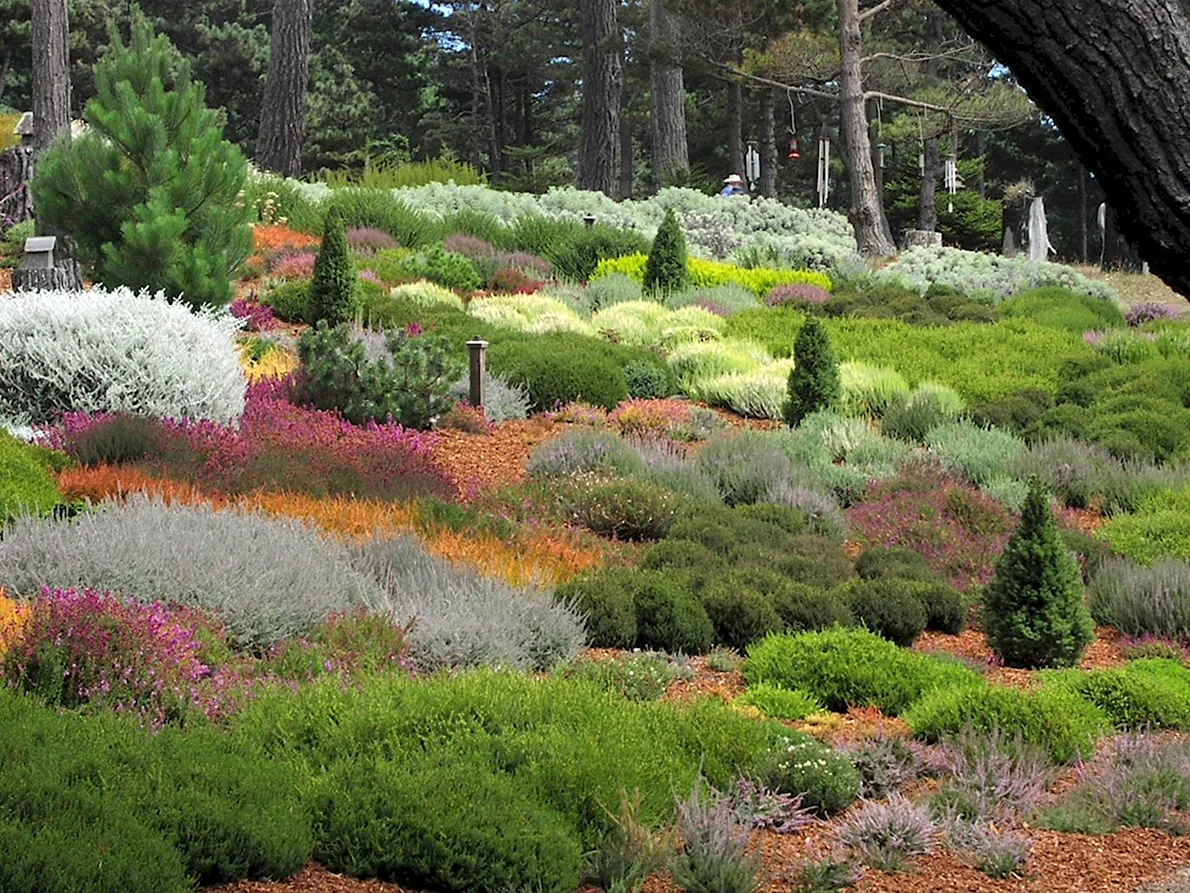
[(479, 463)]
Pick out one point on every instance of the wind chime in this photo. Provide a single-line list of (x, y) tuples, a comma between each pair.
[(950, 171), (824, 169)]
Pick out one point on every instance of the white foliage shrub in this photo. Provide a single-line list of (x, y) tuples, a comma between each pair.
[(118, 351), (986, 277)]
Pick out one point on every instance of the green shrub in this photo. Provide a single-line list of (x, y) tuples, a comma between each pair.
[(845, 668), (680, 555), (980, 454), (638, 676), (1019, 413), (827, 779), (1158, 528), (555, 376), (26, 485), (482, 833), (668, 615), (647, 380), (739, 613), (814, 382), (607, 602), (290, 301), (333, 289), (887, 609), (379, 209), (804, 607), (621, 509), (1130, 700), (150, 190), (893, 563), (1063, 723), (946, 609), (779, 703), (444, 268), (1064, 309), (406, 379), (1033, 610), (666, 270)]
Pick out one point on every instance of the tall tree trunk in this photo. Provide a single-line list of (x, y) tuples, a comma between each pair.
[(603, 84), (768, 142), (1082, 213), (1109, 73), (874, 143), (283, 109), (670, 153), (867, 214), (51, 71), (1118, 252), (981, 149), (927, 200), (735, 129)]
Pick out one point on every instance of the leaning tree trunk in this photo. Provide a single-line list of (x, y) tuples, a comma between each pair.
[(1110, 74), (670, 153), (16, 170), (602, 85), (283, 110), (768, 142), (867, 215), (927, 200)]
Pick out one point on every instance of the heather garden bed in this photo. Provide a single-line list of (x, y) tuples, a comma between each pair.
[(286, 613)]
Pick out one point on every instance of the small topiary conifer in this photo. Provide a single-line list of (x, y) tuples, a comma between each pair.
[(814, 382), (332, 292), (666, 269), (1034, 612)]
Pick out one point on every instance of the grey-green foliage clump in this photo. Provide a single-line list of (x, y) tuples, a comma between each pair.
[(267, 579), (814, 383), (333, 289), (666, 270), (460, 619), (150, 191), (1034, 612)]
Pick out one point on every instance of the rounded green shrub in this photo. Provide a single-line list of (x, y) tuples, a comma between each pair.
[(26, 485), (1130, 700), (680, 555), (606, 600), (447, 824), (1065, 724), (804, 607), (852, 667), (290, 301), (779, 703), (1034, 612), (814, 383), (647, 380), (827, 779), (554, 377), (887, 609), (669, 616), (621, 509), (740, 614), (893, 563), (665, 269)]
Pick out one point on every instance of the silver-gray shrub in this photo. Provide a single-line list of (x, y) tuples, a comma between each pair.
[(817, 503), (744, 465), (97, 351), (579, 450), (1139, 600), (996, 852), (886, 835), (666, 464), (502, 402), (714, 857), (991, 777), (730, 297), (266, 578), (460, 619), (615, 288)]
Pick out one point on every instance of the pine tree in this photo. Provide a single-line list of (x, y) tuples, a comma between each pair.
[(332, 293), (666, 268), (150, 191), (1034, 612), (814, 382)]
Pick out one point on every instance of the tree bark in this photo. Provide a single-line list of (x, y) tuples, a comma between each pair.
[(51, 71), (981, 149), (16, 170), (735, 129), (867, 214), (927, 201), (283, 109), (670, 153), (1118, 253), (874, 142), (1082, 213), (603, 83), (768, 142), (1109, 73)]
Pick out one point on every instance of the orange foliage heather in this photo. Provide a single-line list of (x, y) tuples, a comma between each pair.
[(13, 617), (274, 238), (539, 559), (105, 481), (356, 519)]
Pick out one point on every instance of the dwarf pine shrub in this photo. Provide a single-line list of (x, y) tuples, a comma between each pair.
[(814, 383), (665, 270), (1034, 612), (332, 292)]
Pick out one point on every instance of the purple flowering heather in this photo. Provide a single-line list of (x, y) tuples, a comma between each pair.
[(259, 317), (797, 293), (1149, 311), (368, 240)]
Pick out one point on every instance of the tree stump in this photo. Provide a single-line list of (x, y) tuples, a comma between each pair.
[(16, 170), (920, 238)]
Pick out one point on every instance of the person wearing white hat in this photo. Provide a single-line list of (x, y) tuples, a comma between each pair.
[(734, 186)]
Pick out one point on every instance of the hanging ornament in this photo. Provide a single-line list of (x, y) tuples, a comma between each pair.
[(794, 154)]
